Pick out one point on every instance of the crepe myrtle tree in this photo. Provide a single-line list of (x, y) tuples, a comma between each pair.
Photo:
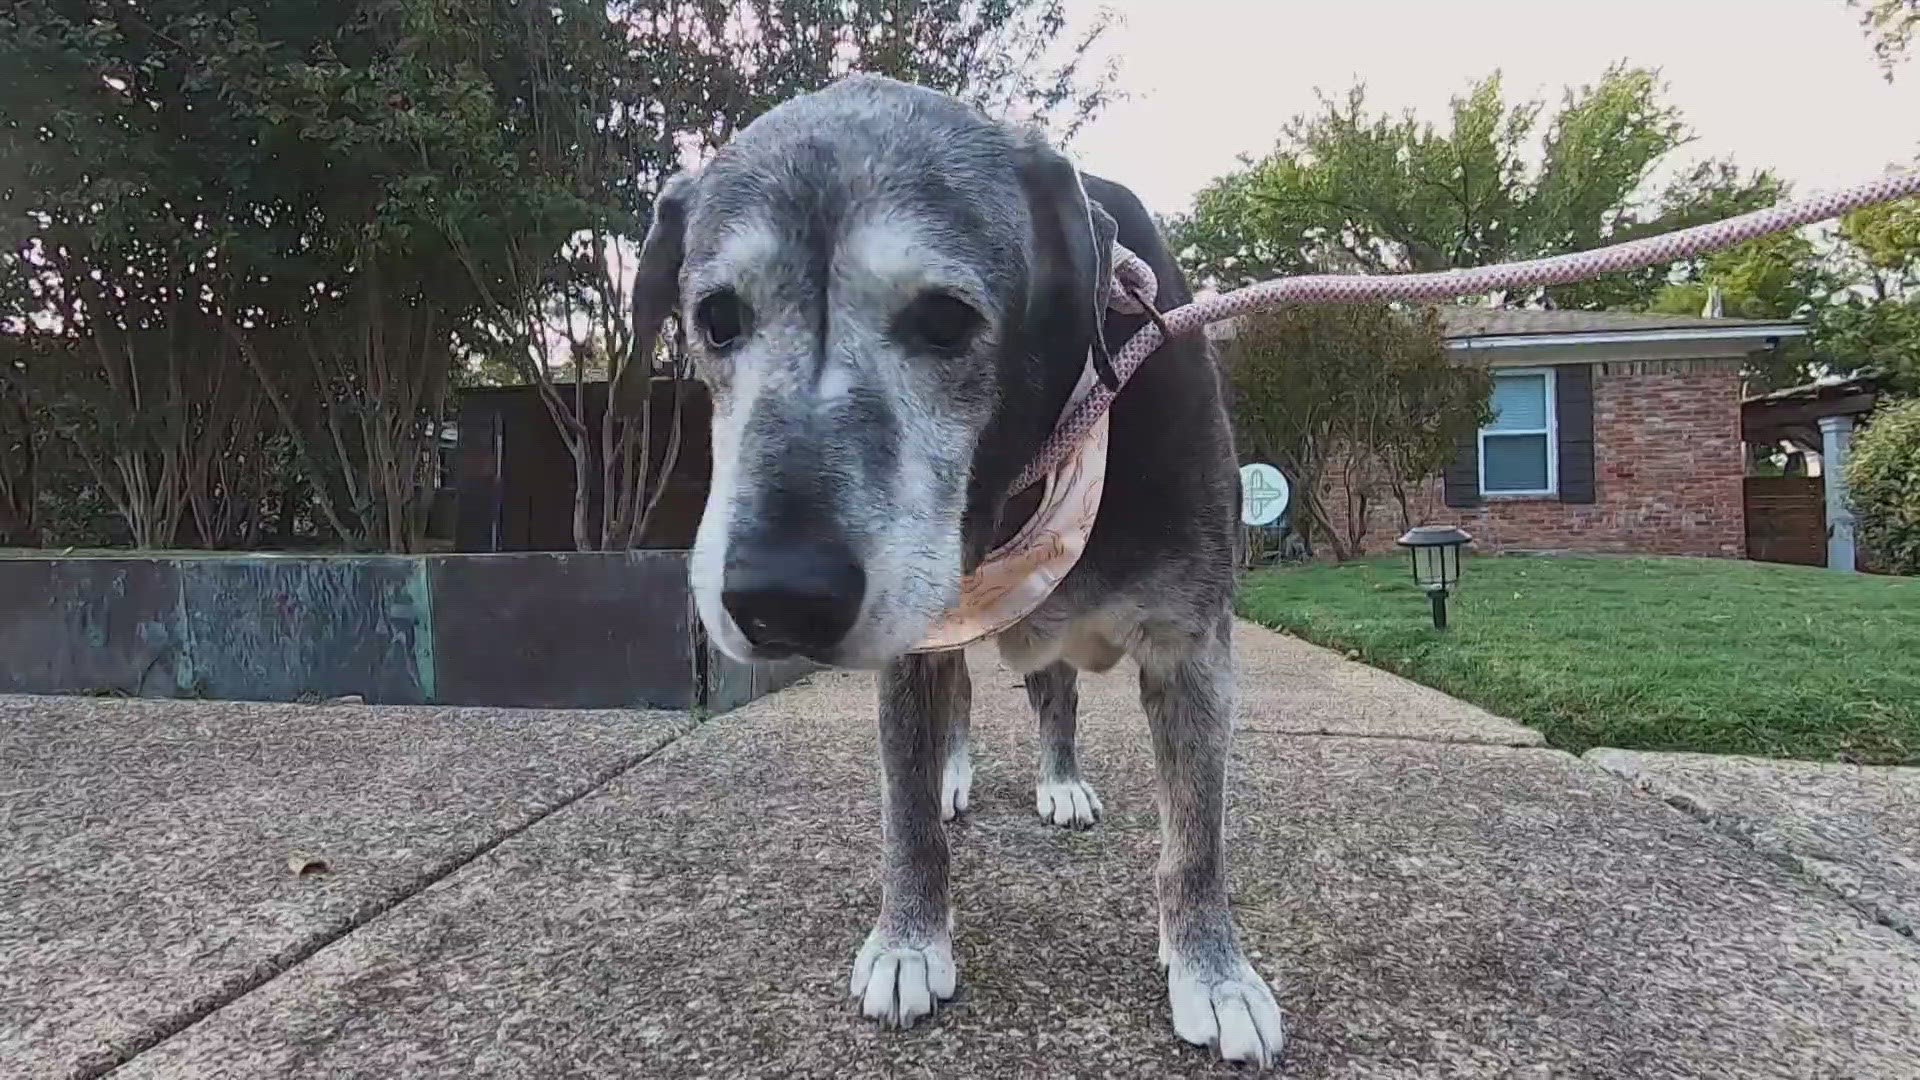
[(1357, 404), (608, 102), (318, 214)]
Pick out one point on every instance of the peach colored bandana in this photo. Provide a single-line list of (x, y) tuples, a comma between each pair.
[(1016, 577)]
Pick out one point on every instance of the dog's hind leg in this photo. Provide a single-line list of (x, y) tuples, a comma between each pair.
[(907, 963), (956, 779), (1060, 794), (1187, 689)]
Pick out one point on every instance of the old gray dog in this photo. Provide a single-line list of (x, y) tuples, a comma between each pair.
[(891, 297)]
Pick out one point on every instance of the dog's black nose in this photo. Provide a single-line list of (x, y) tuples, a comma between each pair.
[(798, 597)]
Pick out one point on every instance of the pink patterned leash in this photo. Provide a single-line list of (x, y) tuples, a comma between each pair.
[(1136, 280)]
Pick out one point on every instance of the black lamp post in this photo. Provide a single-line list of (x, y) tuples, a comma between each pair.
[(1436, 563)]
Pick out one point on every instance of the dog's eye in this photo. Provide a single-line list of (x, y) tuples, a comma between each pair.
[(940, 322), (722, 318)]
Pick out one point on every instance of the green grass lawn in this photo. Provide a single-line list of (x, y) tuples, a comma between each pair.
[(1657, 654)]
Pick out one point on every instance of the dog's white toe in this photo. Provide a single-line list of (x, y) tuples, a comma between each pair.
[(1236, 1015), (898, 984), (956, 786), (1070, 804)]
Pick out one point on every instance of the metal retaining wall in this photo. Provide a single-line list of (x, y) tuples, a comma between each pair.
[(536, 629)]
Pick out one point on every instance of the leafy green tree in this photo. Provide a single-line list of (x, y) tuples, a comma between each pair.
[(1873, 319), (1357, 405), (316, 211), (1775, 277), (1350, 189), (1013, 58), (1889, 25), (113, 247), (1856, 285), (182, 216), (580, 135)]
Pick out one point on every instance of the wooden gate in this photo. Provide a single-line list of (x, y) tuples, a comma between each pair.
[(1787, 519)]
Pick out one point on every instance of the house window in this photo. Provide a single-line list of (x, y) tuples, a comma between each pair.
[(1518, 455)]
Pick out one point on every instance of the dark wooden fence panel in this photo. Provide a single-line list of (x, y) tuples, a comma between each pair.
[(1786, 519), (515, 477)]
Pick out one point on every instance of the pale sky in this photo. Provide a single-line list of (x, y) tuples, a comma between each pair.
[(1788, 84)]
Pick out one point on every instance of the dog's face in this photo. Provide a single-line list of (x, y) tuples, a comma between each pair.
[(876, 283)]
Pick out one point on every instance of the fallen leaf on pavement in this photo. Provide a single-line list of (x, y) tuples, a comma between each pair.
[(303, 864)]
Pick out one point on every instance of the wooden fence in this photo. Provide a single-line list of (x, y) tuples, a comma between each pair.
[(1786, 519)]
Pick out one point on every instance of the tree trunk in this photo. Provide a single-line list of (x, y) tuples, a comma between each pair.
[(583, 539), (296, 434), (19, 474), (668, 462)]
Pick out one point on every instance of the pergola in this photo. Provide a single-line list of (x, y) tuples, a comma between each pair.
[(1818, 416)]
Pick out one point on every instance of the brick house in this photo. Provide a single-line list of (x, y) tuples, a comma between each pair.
[(1614, 432)]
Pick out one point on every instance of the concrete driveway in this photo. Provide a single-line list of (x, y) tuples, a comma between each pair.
[(514, 894)]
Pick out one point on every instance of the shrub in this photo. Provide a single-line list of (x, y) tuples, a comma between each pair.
[(1883, 478), (1357, 405)]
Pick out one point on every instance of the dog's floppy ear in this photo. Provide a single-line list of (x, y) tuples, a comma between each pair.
[(1072, 271), (656, 288)]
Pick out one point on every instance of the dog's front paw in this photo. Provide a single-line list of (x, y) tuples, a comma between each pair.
[(1235, 1013), (1070, 804), (898, 983)]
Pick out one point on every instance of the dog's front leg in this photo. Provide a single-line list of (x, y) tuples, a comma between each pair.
[(1217, 997), (907, 964)]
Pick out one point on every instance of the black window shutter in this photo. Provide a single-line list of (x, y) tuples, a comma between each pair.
[(1462, 478), (1573, 405)]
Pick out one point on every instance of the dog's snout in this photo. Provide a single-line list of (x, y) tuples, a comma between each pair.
[(798, 597)]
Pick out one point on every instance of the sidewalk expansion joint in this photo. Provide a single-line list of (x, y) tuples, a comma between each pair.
[(295, 955), (1391, 736), (1800, 866)]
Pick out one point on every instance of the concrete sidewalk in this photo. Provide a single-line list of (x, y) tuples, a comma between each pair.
[(145, 877), (517, 895)]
